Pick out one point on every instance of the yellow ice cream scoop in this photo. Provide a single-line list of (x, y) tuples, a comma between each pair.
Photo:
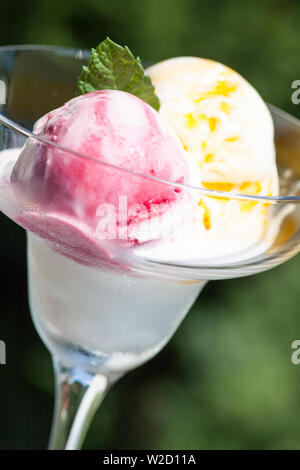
[(222, 122), (228, 136)]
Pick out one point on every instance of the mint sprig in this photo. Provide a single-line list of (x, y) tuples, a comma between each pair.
[(113, 67)]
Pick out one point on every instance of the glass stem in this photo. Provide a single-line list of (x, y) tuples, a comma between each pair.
[(78, 396)]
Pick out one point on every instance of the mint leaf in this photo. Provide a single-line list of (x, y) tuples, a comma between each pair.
[(113, 67)]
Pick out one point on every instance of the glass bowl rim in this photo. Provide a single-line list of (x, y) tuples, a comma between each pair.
[(79, 54)]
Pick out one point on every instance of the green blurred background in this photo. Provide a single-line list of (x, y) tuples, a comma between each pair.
[(225, 381)]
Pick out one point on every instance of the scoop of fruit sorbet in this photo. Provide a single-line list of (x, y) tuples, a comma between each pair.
[(120, 131)]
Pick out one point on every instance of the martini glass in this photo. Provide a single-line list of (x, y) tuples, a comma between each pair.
[(102, 307)]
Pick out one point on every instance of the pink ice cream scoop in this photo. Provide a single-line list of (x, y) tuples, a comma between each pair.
[(120, 131)]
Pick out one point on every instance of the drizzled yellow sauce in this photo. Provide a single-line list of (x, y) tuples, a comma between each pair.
[(206, 215), (250, 188), (225, 107), (190, 121), (218, 186), (222, 88)]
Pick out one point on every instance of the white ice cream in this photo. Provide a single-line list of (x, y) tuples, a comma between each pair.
[(227, 132)]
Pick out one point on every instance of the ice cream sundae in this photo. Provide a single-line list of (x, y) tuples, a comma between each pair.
[(157, 165)]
